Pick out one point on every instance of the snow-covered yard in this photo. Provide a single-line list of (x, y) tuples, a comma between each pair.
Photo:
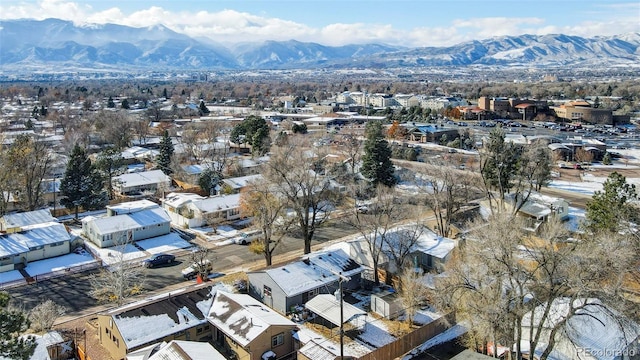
[(161, 244)]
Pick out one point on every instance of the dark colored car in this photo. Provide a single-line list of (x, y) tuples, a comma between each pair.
[(159, 259)]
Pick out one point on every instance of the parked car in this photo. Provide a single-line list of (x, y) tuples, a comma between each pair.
[(159, 259), (191, 271), (246, 237)]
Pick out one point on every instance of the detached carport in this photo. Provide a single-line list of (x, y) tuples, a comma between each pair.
[(328, 307)]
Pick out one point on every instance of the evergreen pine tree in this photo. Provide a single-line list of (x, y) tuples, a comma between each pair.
[(110, 103), (163, 161), (376, 160), (12, 324), (125, 104), (254, 131), (82, 185), (606, 159), (203, 108), (612, 205)]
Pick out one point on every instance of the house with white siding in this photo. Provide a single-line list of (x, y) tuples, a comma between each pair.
[(129, 222), (192, 210), (32, 243)]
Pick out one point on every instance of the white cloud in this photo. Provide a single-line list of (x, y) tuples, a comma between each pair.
[(231, 26)]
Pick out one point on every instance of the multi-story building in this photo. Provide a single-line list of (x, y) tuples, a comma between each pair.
[(581, 111)]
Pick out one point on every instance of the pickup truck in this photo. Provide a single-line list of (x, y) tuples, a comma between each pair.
[(191, 271)]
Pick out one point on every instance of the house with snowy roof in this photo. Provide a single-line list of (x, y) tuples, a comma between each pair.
[(136, 184), (248, 329), (192, 210), (422, 248), (178, 315), (127, 222), (14, 222), (235, 184), (177, 350), (536, 207), (284, 287), (32, 243)]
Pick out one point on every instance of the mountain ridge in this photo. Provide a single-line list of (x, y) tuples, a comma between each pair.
[(54, 42)]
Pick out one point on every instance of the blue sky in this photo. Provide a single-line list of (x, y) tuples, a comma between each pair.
[(338, 22)]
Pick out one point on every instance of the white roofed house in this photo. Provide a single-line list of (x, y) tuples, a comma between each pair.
[(177, 350), (32, 243), (538, 208), (248, 329), (136, 184), (285, 287), (192, 210), (15, 222), (429, 251), (235, 184), (132, 221)]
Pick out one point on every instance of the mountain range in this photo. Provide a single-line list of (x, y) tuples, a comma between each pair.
[(54, 43)]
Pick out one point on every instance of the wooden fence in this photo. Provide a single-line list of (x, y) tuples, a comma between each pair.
[(411, 340)]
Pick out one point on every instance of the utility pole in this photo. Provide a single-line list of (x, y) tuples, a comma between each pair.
[(341, 278)]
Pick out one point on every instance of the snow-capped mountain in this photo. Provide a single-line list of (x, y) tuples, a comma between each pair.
[(524, 50), (58, 43)]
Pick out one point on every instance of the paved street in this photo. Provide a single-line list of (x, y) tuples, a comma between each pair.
[(71, 291)]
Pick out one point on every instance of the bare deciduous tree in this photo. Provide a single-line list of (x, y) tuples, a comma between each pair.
[(503, 273), (374, 221), (201, 258), (296, 172), (119, 281), (413, 292), (268, 213), (45, 314)]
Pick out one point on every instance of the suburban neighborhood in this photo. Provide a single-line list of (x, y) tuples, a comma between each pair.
[(354, 180)]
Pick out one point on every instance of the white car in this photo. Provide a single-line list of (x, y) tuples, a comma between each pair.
[(246, 237)]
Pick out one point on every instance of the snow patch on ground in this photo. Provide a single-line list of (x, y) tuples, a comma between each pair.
[(116, 254), (164, 244)]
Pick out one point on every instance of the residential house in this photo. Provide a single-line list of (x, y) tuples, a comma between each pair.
[(427, 250), (594, 332), (537, 207), (129, 222), (136, 184), (425, 133), (177, 350), (32, 243), (138, 154), (14, 222), (178, 315), (192, 210), (248, 329), (287, 286), (235, 185)]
